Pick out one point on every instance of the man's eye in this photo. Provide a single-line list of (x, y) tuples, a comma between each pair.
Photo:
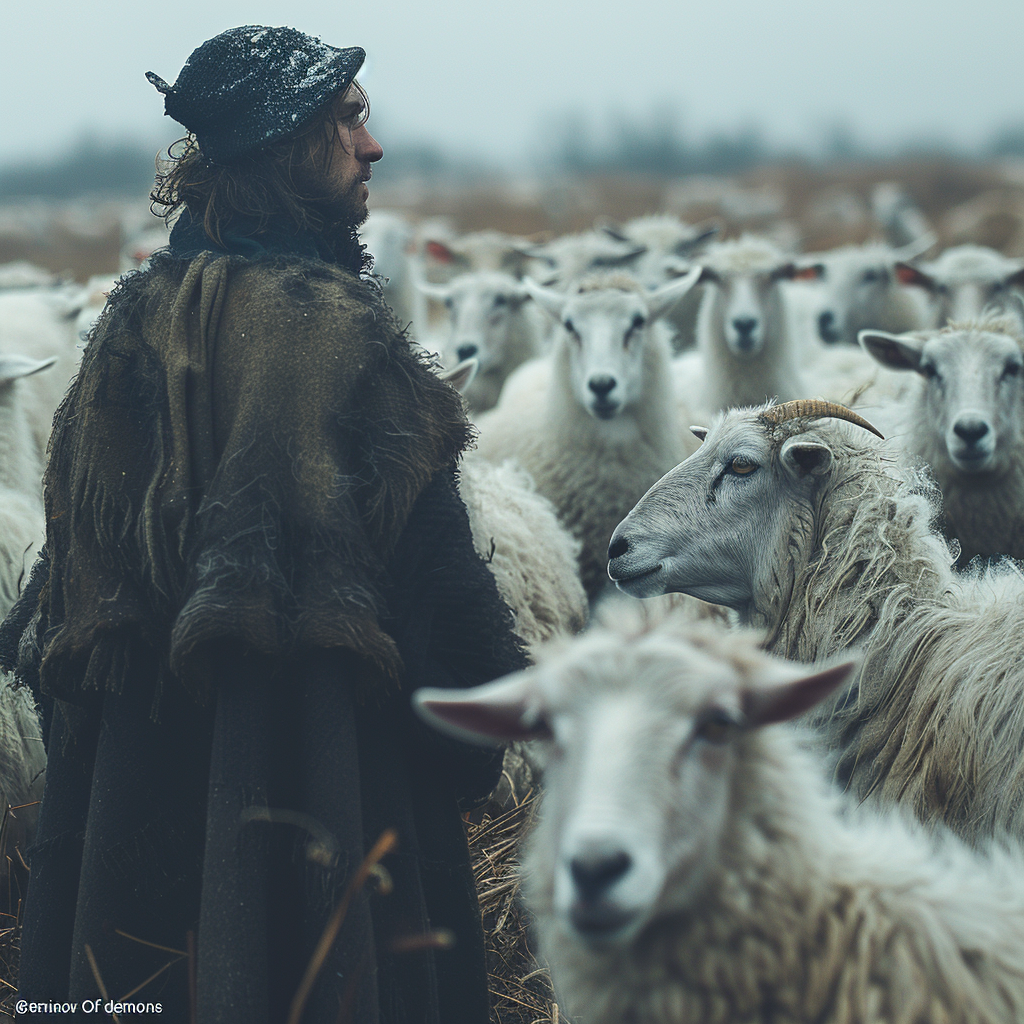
[(741, 466)]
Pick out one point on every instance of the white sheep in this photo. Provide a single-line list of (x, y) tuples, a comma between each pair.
[(40, 324), (670, 247), (964, 416), (866, 290), (689, 865), (388, 236), (822, 536), (965, 281), (569, 258), (745, 348), (21, 471), (601, 426), (491, 320), (517, 533)]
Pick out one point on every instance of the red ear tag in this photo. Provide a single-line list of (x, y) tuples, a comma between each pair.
[(807, 274), (440, 252)]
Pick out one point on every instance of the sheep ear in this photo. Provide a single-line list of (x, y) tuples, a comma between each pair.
[(548, 299), (918, 247), (691, 245), (897, 352), (1014, 280), (461, 376), (910, 275), (700, 432), (493, 714), (612, 230), (661, 301), (439, 252), (439, 292), (799, 272), (806, 458), (783, 701), (14, 366)]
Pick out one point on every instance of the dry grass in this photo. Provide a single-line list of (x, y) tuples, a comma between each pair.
[(520, 987)]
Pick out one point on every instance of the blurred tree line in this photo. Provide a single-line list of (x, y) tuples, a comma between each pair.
[(655, 144)]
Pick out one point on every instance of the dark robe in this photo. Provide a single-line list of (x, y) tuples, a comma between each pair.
[(257, 551)]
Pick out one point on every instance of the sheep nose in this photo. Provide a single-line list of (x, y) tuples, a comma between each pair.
[(827, 329), (597, 870), (601, 385), (745, 325), (618, 546), (970, 429), (466, 351)]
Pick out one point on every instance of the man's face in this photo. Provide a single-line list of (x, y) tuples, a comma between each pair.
[(354, 150)]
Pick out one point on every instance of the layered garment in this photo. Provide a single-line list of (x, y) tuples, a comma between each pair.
[(256, 553)]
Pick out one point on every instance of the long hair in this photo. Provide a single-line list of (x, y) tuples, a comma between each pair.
[(283, 183)]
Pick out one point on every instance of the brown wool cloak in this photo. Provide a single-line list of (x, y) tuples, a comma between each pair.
[(187, 517), (256, 552)]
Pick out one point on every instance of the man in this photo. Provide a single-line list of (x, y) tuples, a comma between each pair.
[(256, 552)]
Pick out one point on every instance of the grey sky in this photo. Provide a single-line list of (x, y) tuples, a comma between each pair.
[(489, 77)]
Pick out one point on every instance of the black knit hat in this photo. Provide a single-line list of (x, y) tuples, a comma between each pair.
[(252, 85)]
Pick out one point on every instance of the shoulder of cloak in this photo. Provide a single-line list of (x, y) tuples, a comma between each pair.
[(236, 460)]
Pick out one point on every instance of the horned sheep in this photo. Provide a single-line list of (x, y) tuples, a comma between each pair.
[(599, 425), (689, 864), (964, 416), (823, 537)]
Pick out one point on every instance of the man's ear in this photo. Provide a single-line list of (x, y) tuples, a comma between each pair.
[(894, 351), (493, 714), (781, 701), (803, 457)]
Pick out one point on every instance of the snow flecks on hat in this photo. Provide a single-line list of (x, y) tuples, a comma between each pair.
[(254, 84)]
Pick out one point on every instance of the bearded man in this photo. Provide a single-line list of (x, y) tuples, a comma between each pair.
[(256, 551)]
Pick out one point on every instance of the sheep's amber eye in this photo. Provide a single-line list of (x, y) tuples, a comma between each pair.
[(716, 726), (742, 466)]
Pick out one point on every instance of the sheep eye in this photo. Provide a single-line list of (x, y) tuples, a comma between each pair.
[(870, 276), (571, 328), (929, 372), (716, 726), (1011, 369), (741, 466), (449, 302), (500, 300)]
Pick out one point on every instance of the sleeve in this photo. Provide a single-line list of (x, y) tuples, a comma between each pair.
[(451, 626)]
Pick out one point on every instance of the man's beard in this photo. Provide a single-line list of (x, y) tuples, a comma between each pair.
[(346, 205), (343, 211)]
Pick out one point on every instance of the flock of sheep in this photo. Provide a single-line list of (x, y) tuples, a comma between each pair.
[(663, 411), (705, 418)]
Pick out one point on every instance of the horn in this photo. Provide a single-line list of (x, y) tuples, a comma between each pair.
[(816, 407)]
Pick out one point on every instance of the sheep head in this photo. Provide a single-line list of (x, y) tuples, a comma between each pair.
[(730, 524), (605, 324), (479, 307), (969, 412), (646, 729)]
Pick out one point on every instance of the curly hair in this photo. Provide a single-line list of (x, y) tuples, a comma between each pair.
[(285, 179)]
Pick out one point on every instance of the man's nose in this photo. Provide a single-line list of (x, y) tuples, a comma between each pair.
[(368, 149)]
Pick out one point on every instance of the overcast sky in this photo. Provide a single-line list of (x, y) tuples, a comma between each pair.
[(493, 78)]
